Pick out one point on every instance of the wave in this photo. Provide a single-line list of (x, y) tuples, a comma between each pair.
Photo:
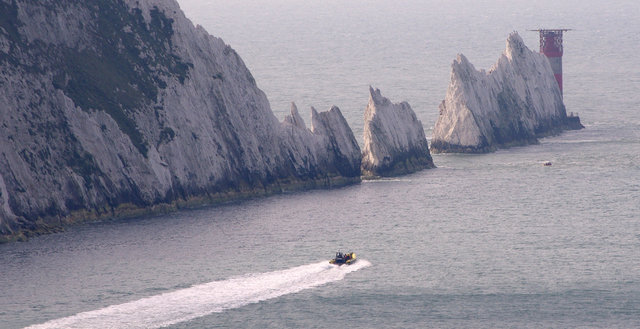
[(200, 300)]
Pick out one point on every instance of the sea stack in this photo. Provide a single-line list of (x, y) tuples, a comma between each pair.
[(515, 103), (394, 139), (121, 108)]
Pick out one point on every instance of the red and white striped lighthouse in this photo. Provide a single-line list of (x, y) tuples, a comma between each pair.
[(551, 46)]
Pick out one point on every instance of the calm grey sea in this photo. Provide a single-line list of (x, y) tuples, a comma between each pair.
[(483, 241)]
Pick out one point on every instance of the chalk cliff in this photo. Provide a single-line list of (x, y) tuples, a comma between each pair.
[(121, 107), (394, 139), (514, 103)]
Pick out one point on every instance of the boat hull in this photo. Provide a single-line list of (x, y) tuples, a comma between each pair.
[(346, 259)]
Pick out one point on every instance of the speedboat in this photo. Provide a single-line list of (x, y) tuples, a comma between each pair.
[(342, 259)]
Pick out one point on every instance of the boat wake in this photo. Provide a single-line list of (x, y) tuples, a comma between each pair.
[(200, 300)]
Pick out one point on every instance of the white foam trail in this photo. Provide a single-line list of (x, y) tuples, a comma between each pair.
[(190, 303)]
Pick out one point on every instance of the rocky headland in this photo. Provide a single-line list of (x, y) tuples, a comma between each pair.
[(115, 108), (394, 139), (516, 102)]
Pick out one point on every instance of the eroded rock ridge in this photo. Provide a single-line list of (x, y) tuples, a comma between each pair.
[(120, 107), (515, 103)]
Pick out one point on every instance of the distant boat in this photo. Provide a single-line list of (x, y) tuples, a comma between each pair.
[(342, 259), (547, 163)]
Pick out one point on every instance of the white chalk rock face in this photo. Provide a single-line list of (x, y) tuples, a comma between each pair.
[(115, 108), (394, 139), (514, 103), (329, 149)]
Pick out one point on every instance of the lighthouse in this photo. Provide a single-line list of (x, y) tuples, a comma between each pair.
[(551, 46)]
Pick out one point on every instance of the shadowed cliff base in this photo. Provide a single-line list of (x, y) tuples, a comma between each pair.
[(56, 223)]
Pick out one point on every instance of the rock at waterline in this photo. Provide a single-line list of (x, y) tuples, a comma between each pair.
[(394, 139), (515, 103)]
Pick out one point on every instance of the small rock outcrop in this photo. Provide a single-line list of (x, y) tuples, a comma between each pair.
[(329, 149), (394, 139), (515, 103), (114, 108)]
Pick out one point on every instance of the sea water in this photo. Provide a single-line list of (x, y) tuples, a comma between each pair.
[(494, 240)]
